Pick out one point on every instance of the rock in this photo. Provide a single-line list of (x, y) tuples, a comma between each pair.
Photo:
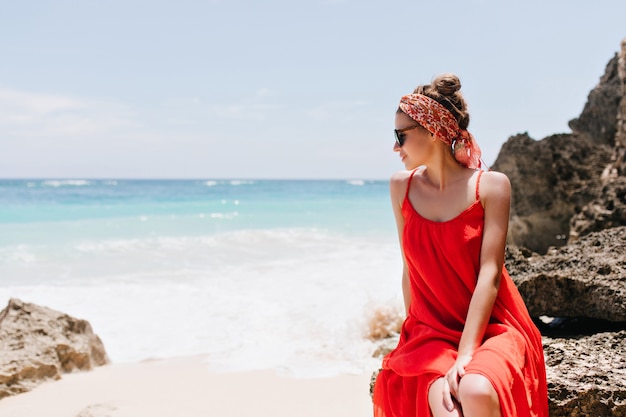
[(607, 210), (620, 131), (563, 175), (551, 180), (386, 345), (586, 278), (617, 166), (620, 134), (586, 375), (598, 121), (38, 344)]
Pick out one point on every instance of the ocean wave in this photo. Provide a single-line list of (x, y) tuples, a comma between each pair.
[(296, 299), (241, 238), (356, 182), (241, 182), (224, 215), (63, 183), (213, 183), (18, 254)]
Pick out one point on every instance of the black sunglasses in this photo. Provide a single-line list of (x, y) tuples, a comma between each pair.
[(400, 136)]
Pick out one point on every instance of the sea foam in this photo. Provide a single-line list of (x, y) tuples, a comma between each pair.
[(293, 299), (288, 275)]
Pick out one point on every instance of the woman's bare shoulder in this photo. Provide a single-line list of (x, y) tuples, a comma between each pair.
[(400, 179), (400, 176), (495, 178), (494, 184), (398, 185)]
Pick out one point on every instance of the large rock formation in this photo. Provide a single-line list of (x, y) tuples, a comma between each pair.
[(569, 203), (598, 121), (608, 208), (551, 180), (38, 344), (560, 181)]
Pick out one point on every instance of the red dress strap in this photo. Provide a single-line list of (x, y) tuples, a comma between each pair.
[(480, 173), (408, 186)]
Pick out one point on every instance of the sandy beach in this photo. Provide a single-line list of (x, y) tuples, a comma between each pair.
[(188, 387)]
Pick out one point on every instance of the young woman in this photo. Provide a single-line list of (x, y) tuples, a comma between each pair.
[(468, 346)]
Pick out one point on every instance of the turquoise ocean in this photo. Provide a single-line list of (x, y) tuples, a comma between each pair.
[(253, 274)]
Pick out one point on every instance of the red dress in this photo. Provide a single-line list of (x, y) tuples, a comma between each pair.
[(443, 261)]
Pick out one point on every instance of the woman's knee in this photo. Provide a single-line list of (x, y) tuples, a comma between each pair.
[(435, 401), (477, 389)]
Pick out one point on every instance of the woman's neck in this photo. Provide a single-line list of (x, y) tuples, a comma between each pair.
[(443, 170)]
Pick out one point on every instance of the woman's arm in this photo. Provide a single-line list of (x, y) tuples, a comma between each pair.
[(397, 187), (495, 192)]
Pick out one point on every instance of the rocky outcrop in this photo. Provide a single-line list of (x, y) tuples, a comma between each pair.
[(584, 279), (551, 180), (607, 210), (38, 344), (620, 133), (558, 182), (598, 121)]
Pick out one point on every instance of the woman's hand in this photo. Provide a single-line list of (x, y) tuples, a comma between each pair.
[(452, 379)]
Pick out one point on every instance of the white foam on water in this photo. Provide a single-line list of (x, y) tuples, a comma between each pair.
[(62, 183), (241, 182), (291, 299)]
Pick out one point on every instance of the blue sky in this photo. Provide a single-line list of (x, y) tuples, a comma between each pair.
[(278, 89)]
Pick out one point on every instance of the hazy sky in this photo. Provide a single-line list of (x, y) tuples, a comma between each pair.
[(278, 89)]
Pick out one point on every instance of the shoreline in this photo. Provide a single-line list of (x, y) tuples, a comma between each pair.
[(187, 386)]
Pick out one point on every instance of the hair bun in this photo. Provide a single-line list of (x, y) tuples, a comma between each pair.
[(445, 90), (446, 84)]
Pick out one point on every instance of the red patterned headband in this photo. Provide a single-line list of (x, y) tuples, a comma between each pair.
[(441, 123)]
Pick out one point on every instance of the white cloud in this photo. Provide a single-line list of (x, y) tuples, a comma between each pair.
[(181, 102), (36, 103), (31, 115), (259, 106), (335, 110), (266, 92)]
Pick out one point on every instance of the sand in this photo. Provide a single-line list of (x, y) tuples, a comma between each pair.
[(187, 387)]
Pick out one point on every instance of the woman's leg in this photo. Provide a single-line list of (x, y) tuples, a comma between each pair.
[(435, 400), (478, 397)]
